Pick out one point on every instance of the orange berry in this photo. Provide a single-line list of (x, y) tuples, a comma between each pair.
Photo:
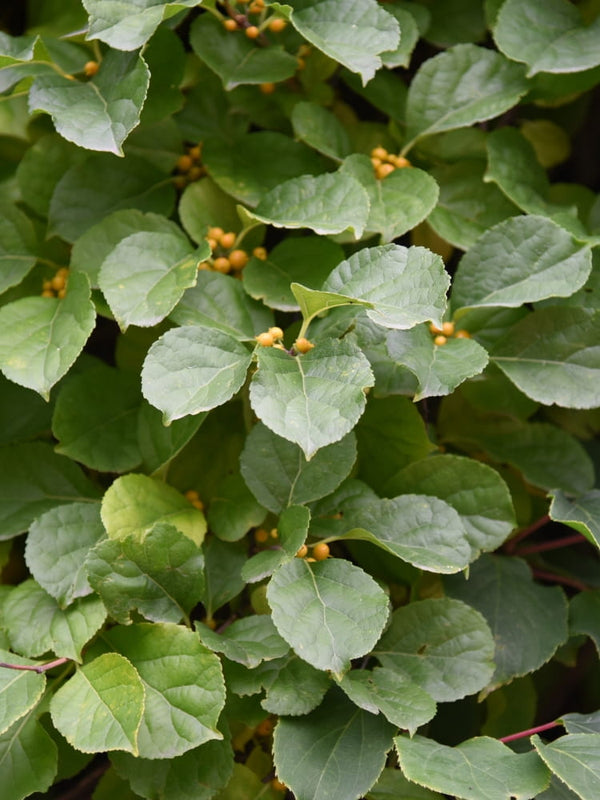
[(440, 340), (302, 345), (433, 329), (384, 170), (212, 243), (238, 259), (180, 181), (198, 504), (301, 63), (210, 623), (302, 552), (274, 533), (62, 293), (260, 536), (260, 252), (191, 495), (203, 265), (47, 286), (267, 88), (58, 282), (264, 728), (195, 152), (252, 32), (377, 162), (227, 240), (462, 335), (321, 551), (47, 293), (222, 264), (265, 339), (379, 152), (277, 25), (63, 271), (448, 328), (184, 163), (90, 68), (276, 333), (215, 233), (230, 25)]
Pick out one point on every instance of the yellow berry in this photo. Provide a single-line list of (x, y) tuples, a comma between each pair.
[(47, 293), (267, 88), (274, 533), (222, 264), (192, 495), (90, 68), (230, 25), (252, 32), (321, 551), (433, 329), (302, 345), (62, 293), (58, 282), (195, 173), (260, 536), (265, 339), (448, 328), (399, 161), (184, 163), (440, 340), (212, 243), (47, 286), (210, 623), (238, 259), (277, 25), (302, 552), (227, 240), (379, 152), (256, 7), (384, 170), (198, 504), (462, 335), (195, 152), (203, 265), (260, 252), (377, 162), (215, 233), (276, 333)]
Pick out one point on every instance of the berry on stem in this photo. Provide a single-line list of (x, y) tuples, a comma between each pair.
[(302, 345), (90, 68), (265, 339), (440, 340), (252, 32), (462, 335), (267, 88), (302, 552), (230, 25), (260, 252), (320, 551), (238, 259), (276, 333), (227, 240), (261, 536), (277, 25), (222, 265)]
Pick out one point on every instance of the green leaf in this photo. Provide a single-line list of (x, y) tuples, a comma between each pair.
[(458, 87), (94, 419), (112, 692), (250, 166), (40, 337), (467, 206), (336, 751), (574, 758), (17, 246), (223, 562), (404, 703), (481, 767), (34, 479), (234, 510), (392, 785), (35, 624), (405, 285), (444, 645), (543, 261), (247, 641), (57, 546), (193, 369), (292, 529), (128, 25), (409, 36), (312, 399), (28, 759), (159, 444), (581, 513), (218, 301), (159, 574), (551, 355), (354, 35), (102, 184), (474, 490), (279, 476), (134, 503), (330, 203), (454, 21), (296, 689), (312, 302), (20, 690), (196, 775), (320, 129), (583, 618), (98, 242), (500, 588), (399, 201), (145, 275), (183, 686), (307, 260), (439, 369), (235, 58), (330, 612), (554, 39), (581, 723), (202, 205), (98, 114)]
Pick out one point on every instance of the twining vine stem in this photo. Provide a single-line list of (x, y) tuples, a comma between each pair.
[(39, 668), (530, 731)]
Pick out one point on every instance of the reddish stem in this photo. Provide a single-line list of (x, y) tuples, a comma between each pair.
[(509, 547), (554, 578), (530, 731), (576, 538), (39, 668)]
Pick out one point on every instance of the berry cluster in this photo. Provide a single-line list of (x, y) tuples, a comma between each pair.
[(262, 536), (194, 498), (225, 257), (56, 286), (384, 163), (320, 551), (188, 167), (441, 335), (274, 336), (253, 28)]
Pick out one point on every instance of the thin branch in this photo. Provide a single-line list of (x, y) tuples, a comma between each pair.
[(39, 668), (554, 578), (555, 544), (509, 547), (530, 732)]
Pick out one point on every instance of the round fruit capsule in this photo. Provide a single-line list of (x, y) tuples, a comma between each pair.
[(227, 240), (462, 335), (261, 536), (265, 339), (277, 25), (260, 252), (230, 25), (222, 264), (90, 68), (238, 259), (379, 152), (276, 333), (302, 552), (440, 340), (252, 32), (321, 551), (302, 345)]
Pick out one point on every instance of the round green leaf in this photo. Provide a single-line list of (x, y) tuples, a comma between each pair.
[(444, 645), (112, 692), (203, 205), (193, 369), (183, 686), (330, 612), (581, 513), (574, 758), (405, 285), (127, 26), (320, 129), (20, 690), (28, 759), (278, 474), (338, 750), (296, 689), (40, 337), (234, 510), (17, 246), (247, 641), (158, 443), (57, 546), (312, 399)]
